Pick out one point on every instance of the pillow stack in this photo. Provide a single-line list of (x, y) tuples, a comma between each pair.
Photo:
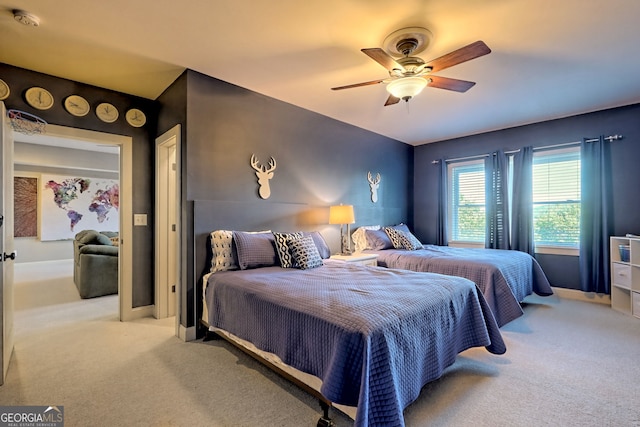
[(402, 238), (233, 250), (379, 238)]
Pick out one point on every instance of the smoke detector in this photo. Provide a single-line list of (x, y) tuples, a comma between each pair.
[(26, 18)]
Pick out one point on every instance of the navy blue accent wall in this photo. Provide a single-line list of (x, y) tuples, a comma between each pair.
[(19, 80), (320, 161), (563, 271)]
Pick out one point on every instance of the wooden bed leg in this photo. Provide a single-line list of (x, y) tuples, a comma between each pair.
[(325, 421)]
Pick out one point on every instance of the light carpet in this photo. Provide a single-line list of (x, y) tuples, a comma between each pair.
[(568, 363)]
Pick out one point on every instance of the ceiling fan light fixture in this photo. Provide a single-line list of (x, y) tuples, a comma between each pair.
[(407, 87), (26, 18)]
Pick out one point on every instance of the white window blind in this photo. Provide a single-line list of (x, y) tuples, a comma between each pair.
[(466, 201), (556, 197)]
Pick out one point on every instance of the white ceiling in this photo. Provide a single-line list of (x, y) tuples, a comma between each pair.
[(549, 59)]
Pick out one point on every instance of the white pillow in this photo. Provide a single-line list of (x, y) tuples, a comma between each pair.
[(222, 249), (360, 239)]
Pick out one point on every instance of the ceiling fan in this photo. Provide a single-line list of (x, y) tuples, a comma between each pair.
[(409, 74)]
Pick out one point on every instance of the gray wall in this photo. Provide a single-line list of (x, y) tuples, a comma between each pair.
[(20, 80), (320, 162), (563, 271), (32, 160)]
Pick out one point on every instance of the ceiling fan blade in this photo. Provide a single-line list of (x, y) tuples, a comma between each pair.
[(391, 100), (373, 82), (382, 58), (449, 84), (464, 54)]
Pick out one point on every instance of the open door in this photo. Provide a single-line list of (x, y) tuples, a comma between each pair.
[(168, 224), (7, 254)]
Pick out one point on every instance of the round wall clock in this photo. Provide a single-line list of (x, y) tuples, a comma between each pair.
[(4, 90), (39, 98), (107, 112), (76, 105), (136, 118)]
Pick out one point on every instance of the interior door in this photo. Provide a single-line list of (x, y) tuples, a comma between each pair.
[(172, 247), (7, 254), (167, 224)]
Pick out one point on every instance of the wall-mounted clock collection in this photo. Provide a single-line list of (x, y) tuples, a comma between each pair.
[(41, 99)]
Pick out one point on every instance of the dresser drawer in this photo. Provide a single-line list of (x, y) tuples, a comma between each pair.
[(622, 275)]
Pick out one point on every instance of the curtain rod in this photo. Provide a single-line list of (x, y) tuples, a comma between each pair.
[(546, 147)]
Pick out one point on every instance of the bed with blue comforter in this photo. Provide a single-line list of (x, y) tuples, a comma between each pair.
[(374, 336), (505, 277)]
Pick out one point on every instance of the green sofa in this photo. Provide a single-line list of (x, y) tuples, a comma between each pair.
[(95, 270)]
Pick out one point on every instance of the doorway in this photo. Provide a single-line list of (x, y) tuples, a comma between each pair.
[(82, 139)]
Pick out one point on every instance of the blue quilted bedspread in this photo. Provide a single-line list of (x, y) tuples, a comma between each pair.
[(374, 336), (504, 277)]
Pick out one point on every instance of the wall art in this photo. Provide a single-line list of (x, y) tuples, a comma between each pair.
[(74, 203)]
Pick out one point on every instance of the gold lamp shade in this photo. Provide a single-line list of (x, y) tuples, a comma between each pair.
[(341, 214)]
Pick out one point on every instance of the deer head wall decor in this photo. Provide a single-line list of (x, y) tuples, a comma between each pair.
[(264, 175), (374, 184)]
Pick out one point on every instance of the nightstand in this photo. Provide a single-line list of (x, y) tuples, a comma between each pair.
[(358, 258)]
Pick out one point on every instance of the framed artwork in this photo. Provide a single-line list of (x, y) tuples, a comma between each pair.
[(70, 204), (25, 207)]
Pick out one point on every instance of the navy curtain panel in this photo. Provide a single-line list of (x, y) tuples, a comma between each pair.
[(441, 237), (522, 238), (595, 217), (496, 198)]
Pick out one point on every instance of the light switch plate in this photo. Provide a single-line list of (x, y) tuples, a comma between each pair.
[(140, 219)]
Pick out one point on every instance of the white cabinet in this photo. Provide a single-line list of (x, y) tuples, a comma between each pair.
[(358, 258), (625, 276)]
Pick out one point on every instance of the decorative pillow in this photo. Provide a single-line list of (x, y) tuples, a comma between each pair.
[(255, 249), (409, 241), (321, 244), (378, 240), (359, 238), (101, 239), (394, 236), (402, 238), (282, 247), (305, 253), (223, 258)]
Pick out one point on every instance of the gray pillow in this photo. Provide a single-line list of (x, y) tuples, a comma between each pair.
[(104, 240), (305, 253), (377, 240), (321, 244), (255, 249)]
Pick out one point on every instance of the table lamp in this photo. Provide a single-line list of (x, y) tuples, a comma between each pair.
[(343, 214)]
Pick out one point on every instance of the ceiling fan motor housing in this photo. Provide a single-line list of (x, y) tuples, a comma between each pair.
[(407, 46)]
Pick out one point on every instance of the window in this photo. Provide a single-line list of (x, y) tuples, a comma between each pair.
[(466, 201), (556, 198)]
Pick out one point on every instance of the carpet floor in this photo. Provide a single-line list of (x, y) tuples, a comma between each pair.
[(568, 363)]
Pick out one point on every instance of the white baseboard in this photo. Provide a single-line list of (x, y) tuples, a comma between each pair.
[(575, 294), (139, 313), (187, 334)]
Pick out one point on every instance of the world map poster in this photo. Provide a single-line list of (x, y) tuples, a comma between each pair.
[(72, 203)]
